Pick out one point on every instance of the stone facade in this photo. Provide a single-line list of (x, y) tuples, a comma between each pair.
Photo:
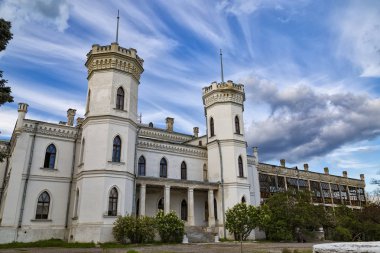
[(71, 181)]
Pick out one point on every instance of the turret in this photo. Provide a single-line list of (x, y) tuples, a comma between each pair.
[(22, 110)]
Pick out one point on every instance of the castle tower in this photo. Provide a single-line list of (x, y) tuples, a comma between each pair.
[(106, 157), (226, 147)]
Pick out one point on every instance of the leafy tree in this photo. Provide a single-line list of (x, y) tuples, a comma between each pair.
[(5, 37), (136, 229), (170, 227), (241, 219)]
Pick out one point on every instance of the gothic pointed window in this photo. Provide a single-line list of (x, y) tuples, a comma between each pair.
[(116, 150), (112, 202), (212, 127), (120, 99), (241, 169), (88, 101), (237, 125), (183, 171), (50, 155), (243, 200), (141, 168), (163, 168), (161, 205), (43, 205), (184, 210)]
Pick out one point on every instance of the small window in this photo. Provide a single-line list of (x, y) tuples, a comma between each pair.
[(184, 210), (112, 202), (82, 152), (120, 99), (88, 101), (43, 205), (243, 200), (241, 170), (200, 143), (183, 171), (237, 125), (205, 176), (141, 168), (163, 168), (212, 127), (116, 151), (160, 205), (50, 155)]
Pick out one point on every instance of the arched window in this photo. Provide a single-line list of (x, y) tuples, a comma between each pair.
[(215, 210), (137, 207), (183, 171), (141, 169), (160, 205), (120, 99), (243, 200), (241, 170), (50, 155), (88, 101), (237, 125), (184, 210), (43, 205), (205, 174), (163, 168), (116, 151), (112, 202), (206, 211), (82, 152), (212, 127), (76, 204)]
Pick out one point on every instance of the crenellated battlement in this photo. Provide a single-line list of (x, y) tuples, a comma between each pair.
[(114, 57), (230, 85)]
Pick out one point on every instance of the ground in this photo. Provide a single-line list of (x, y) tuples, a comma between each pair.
[(230, 247)]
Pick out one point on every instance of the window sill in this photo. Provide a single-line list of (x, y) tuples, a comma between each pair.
[(120, 110), (239, 134), (74, 218), (109, 216), (243, 177), (116, 163), (41, 220), (49, 169)]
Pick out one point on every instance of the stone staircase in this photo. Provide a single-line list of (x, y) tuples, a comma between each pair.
[(196, 234)]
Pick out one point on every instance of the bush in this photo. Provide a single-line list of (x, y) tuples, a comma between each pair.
[(136, 229), (241, 219), (342, 234), (170, 227)]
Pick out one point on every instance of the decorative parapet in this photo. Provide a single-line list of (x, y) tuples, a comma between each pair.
[(50, 129), (164, 135), (308, 175), (114, 57), (172, 148), (223, 92)]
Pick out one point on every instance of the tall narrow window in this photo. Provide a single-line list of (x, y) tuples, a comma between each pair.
[(138, 207), (241, 169), (50, 155), (120, 99), (163, 168), (205, 176), (141, 166), (212, 127), (183, 171), (237, 125), (82, 152), (76, 204), (88, 101), (116, 151), (161, 205), (215, 210), (112, 202), (43, 205), (184, 210), (243, 200)]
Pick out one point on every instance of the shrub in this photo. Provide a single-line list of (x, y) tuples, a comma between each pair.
[(170, 227), (342, 234), (241, 219), (136, 229)]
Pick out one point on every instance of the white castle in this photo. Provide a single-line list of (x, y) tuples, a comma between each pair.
[(71, 182)]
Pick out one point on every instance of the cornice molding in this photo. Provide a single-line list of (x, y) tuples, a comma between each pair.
[(172, 148)]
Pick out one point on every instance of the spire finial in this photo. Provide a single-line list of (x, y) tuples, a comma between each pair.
[(117, 27), (221, 65)]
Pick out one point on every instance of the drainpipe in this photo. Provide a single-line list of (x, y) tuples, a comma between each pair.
[(135, 176), (26, 180), (222, 184), (71, 179)]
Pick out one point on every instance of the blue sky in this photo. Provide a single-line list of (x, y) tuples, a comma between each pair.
[(311, 69)]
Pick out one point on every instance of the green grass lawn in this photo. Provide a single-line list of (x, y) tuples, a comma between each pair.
[(47, 243)]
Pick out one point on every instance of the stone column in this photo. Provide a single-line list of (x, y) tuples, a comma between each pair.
[(211, 217), (190, 213), (167, 199), (142, 199)]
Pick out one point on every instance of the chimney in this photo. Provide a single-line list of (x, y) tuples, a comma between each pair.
[(362, 177), (256, 155), (79, 121), (22, 110), (306, 167), (344, 173), (282, 162), (196, 131), (70, 116), (326, 169), (169, 124)]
